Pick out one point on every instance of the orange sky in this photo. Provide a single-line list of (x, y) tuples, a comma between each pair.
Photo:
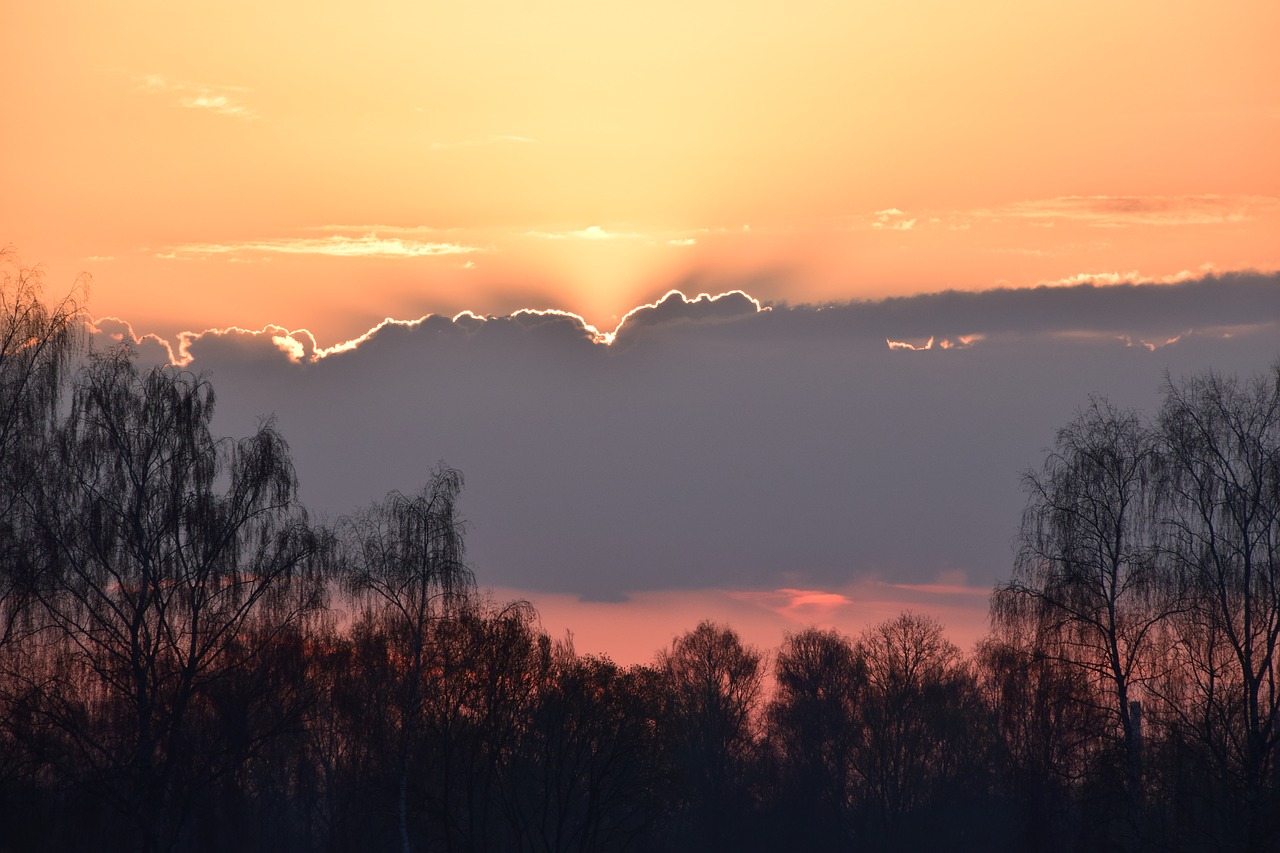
[(324, 165)]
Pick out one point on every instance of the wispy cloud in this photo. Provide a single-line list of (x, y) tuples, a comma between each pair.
[(491, 139), (893, 219), (958, 342), (223, 100), (1134, 277), (1091, 211), (600, 234), (334, 245), (907, 345), (1105, 211), (591, 232)]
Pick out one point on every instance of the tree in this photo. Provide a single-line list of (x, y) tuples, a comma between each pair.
[(583, 776), (922, 731), (714, 686), (169, 560), (814, 723), (1222, 436), (37, 344), (1087, 582), (403, 564), (1048, 716)]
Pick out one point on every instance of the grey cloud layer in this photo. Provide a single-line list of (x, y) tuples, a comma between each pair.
[(714, 444)]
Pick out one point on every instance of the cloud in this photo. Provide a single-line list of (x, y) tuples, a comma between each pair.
[(1100, 211), (961, 342), (907, 345), (1133, 276), (591, 232), (232, 343), (716, 444), (632, 628), (222, 100), (1096, 211), (892, 219), (676, 308), (600, 233), (806, 605), (106, 332), (335, 245)]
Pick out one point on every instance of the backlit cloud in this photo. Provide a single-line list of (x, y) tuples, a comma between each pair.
[(1131, 277), (781, 451), (908, 345)]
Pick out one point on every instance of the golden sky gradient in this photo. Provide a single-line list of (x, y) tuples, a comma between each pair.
[(324, 165)]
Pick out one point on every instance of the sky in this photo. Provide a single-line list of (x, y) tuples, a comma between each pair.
[(989, 174)]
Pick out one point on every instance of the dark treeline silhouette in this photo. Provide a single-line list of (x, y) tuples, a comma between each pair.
[(189, 662)]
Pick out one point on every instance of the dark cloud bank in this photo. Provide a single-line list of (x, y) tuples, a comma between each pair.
[(716, 445)]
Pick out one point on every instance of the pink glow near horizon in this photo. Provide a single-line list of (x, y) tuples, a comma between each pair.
[(633, 631)]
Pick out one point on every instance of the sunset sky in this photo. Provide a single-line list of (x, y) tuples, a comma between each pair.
[(322, 166)]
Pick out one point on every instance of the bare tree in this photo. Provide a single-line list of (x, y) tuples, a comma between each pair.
[(1087, 583), (170, 558), (403, 564), (1223, 439), (1048, 719), (38, 342), (714, 683), (920, 725), (583, 774), (814, 722)]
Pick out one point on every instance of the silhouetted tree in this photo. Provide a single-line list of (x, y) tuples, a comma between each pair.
[(923, 733), (403, 564), (1088, 581), (1048, 718), (584, 777), (170, 561), (1223, 440), (814, 724), (714, 685), (38, 342)]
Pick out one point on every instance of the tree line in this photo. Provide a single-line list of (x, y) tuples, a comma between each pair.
[(188, 661)]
